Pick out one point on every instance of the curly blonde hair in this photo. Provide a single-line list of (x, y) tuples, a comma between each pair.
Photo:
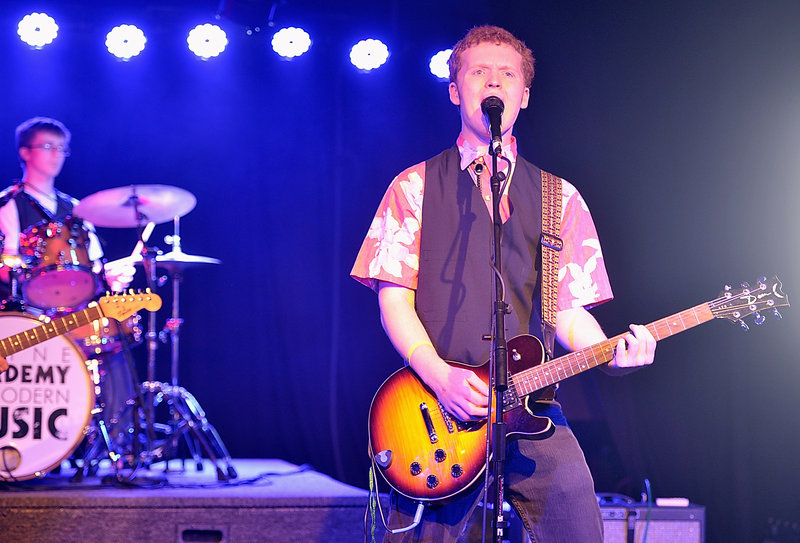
[(498, 36)]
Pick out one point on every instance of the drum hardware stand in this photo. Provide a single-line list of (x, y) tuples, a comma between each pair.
[(173, 324), (187, 417), (191, 422), (133, 207), (14, 302), (91, 456), (93, 452)]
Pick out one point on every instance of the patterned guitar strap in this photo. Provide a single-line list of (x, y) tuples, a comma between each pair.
[(551, 247)]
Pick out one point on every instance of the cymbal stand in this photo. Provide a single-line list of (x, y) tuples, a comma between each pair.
[(174, 324), (188, 418), (149, 263)]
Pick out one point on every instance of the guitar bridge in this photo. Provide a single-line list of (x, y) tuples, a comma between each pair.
[(510, 398), (448, 420)]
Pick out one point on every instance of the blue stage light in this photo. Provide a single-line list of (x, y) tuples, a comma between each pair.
[(37, 29), (291, 42), (125, 41), (438, 64), (369, 54), (207, 41)]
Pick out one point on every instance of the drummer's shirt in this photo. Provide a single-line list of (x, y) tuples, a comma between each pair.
[(10, 227)]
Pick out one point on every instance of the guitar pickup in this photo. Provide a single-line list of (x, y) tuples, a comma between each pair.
[(426, 416)]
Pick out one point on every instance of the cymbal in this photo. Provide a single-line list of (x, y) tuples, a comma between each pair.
[(173, 260), (178, 260), (117, 207)]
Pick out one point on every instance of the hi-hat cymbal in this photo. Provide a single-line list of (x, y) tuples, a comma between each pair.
[(173, 260), (135, 205), (178, 260)]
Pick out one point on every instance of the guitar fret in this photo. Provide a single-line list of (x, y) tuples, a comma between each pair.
[(28, 334), (6, 348), (558, 365), (582, 365)]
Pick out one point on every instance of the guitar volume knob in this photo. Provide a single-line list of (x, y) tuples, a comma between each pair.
[(440, 455), (456, 471), (416, 469), (433, 481)]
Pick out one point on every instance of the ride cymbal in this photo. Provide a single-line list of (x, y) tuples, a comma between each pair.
[(135, 205)]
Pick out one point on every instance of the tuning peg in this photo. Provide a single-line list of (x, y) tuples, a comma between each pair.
[(759, 319), (762, 280), (745, 285), (727, 288), (744, 325), (777, 314)]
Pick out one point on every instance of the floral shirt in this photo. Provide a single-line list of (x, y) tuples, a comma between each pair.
[(390, 251)]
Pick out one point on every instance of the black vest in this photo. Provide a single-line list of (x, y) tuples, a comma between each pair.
[(455, 287), (30, 212)]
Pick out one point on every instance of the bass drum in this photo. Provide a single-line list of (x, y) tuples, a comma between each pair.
[(46, 400)]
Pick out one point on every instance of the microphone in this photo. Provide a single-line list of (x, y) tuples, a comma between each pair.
[(493, 107)]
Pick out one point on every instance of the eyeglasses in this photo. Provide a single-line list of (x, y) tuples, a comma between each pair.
[(50, 147)]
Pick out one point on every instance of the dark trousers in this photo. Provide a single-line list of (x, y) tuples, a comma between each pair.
[(547, 483)]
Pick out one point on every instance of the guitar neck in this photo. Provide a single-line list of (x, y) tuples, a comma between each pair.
[(555, 371), (55, 327)]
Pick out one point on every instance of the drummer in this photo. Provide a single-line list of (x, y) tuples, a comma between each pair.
[(43, 145)]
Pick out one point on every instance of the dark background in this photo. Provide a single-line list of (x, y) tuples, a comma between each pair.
[(678, 121)]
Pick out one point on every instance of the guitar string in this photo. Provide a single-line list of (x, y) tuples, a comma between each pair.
[(571, 359)]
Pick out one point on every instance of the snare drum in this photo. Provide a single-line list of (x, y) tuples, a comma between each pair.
[(46, 399), (61, 274)]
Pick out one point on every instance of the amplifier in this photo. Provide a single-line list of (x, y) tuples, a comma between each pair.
[(632, 523)]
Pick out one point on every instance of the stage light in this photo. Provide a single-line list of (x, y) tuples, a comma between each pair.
[(291, 42), (37, 29), (207, 41), (438, 64), (125, 41), (369, 54)]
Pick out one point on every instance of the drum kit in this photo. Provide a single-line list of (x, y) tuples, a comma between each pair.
[(74, 395)]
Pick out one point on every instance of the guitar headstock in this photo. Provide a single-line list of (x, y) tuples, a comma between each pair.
[(736, 304), (122, 305)]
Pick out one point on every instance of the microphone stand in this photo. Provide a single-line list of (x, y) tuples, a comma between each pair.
[(500, 356)]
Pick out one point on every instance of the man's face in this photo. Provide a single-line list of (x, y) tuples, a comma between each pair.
[(488, 69), (41, 161)]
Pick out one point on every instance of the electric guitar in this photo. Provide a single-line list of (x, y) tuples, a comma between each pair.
[(426, 454), (115, 306)]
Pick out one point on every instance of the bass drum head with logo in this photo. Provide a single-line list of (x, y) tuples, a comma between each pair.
[(46, 399)]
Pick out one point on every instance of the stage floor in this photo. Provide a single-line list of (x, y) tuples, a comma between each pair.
[(270, 500)]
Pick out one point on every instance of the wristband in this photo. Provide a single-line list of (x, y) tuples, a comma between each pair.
[(414, 347)]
